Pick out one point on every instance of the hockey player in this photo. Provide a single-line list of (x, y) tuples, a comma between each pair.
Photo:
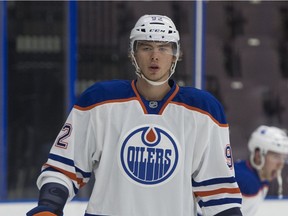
[(268, 148), (154, 148)]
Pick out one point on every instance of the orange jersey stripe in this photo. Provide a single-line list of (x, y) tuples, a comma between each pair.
[(68, 174), (138, 97), (217, 191), (169, 99)]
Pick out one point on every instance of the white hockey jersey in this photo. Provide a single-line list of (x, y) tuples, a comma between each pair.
[(252, 188), (149, 158)]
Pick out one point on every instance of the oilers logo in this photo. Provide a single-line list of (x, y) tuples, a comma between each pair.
[(149, 155)]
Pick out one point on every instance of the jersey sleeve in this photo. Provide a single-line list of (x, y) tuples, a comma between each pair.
[(72, 156), (78, 147), (213, 180)]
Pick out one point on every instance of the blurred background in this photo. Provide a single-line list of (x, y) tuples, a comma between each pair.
[(51, 51)]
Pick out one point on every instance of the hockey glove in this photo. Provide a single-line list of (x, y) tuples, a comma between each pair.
[(41, 211), (230, 212)]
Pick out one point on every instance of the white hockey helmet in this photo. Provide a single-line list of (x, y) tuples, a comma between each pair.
[(267, 138), (154, 28)]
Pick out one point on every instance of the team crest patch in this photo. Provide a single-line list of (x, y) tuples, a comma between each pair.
[(149, 155)]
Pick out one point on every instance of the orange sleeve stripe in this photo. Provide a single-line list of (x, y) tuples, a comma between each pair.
[(201, 111), (218, 191), (69, 175)]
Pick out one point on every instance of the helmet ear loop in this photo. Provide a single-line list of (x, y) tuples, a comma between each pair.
[(173, 66), (262, 161), (178, 56)]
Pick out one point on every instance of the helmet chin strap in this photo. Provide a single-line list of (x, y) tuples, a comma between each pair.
[(280, 184), (257, 166), (141, 75)]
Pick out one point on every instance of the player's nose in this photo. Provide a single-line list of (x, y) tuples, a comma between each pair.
[(155, 55)]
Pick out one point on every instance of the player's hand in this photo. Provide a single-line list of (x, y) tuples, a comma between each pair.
[(41, 211)]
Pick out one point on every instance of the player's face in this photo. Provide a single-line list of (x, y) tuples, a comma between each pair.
[(274, 162), (154, 59)]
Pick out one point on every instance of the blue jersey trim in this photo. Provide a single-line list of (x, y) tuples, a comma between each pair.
[(122, 89), (223, 201), (70, 163), (213, 181), (202, 100), (104, 91), (61, 159)]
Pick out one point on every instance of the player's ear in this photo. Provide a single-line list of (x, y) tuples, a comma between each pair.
[(180, 55), (257, 156)]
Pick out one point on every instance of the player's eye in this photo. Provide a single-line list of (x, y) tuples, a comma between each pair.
[(166, 50), (145, 48), (163, 49)]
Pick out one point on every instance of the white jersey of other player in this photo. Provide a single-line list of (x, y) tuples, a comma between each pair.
[(149, 158)]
